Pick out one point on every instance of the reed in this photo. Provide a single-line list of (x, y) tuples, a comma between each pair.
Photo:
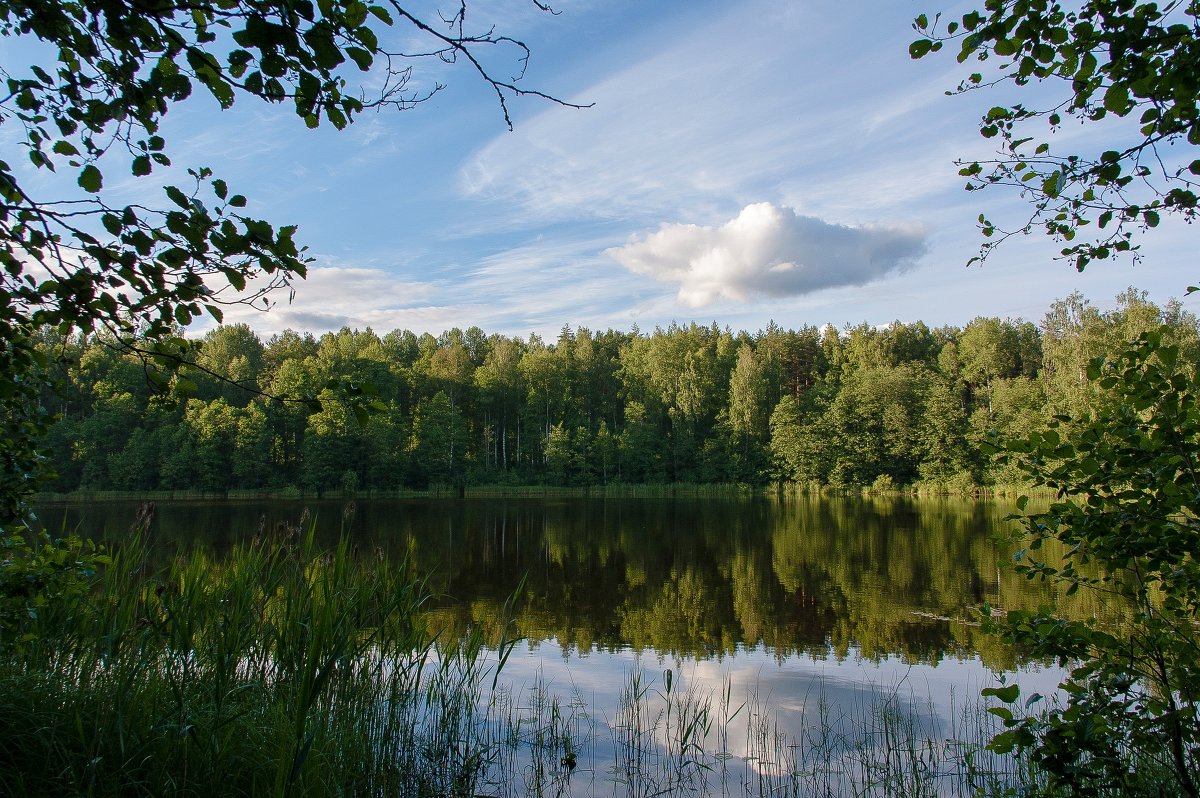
[(282, 669), (278, 669)]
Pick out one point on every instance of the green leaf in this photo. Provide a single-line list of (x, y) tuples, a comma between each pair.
[(1003, 743), (90, 179), (361, 415), (1116, 99), (177, 197), (361, 57), (355, 13), (236, 278), (1052, 186), (1007, 694), (919, 48), (381, 14), (141, 166)]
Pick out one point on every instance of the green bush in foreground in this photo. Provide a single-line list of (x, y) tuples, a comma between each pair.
[(38, 577), (1128, 486)]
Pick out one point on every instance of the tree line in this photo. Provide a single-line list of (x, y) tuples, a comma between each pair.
[(901, 405)]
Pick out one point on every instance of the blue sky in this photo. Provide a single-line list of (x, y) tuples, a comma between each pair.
[(742, 162)]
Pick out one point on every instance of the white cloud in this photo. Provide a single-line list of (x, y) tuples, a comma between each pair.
[(332, 296), (769, 251)]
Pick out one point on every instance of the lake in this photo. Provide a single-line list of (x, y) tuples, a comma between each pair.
[(802, 608)]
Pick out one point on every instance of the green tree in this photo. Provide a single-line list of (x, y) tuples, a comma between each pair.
[(287, 421), (1127, 480), (873, 424), (799, 443), (230, 360), (747, 397), (71, 258), (119, 396), (1134, 61), (988, 349), (566, 456), (747, 425), (451, 371), (1075, 333), (332, 446), (438, 440), (641, 447), (1015, 409), (946, 458), (229, 443), (604, 453), (793, 359), (287, 345), (545, 381), (502, 391)]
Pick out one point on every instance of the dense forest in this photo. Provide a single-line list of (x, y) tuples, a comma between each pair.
[(901, 405)]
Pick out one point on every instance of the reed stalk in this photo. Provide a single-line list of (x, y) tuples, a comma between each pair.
[(284, 669)]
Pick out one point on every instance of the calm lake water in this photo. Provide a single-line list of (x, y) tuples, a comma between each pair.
[(807, 603)]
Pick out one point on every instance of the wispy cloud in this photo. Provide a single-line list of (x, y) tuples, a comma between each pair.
[(333, 296), (722, 114), (768, 251), (534, 286)]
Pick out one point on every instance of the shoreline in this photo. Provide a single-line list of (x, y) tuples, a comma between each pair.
[(616, 491)]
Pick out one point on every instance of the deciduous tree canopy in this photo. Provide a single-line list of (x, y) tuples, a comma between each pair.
[(1131, 69), (682, 404), (89, 105)]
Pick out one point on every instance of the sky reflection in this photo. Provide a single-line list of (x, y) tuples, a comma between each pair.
[(763, 707)]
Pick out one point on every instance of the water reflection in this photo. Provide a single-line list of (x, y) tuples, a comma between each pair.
[(800, 725), (794, 613), (820, 577)]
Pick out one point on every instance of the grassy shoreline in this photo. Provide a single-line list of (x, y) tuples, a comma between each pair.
[(616, 491)]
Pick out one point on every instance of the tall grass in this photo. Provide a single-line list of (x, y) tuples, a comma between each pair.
[(674, 742), (282, 669), (277, 669), (880, 745)]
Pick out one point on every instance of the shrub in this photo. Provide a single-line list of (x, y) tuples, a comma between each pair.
[(1127, 485)]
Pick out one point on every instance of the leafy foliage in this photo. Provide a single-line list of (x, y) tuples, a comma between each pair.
[(681, 404), (1128, 486), (24, 420), (38, 577), (1133, 67), (105, 75)]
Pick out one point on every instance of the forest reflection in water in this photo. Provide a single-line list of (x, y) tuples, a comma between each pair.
[(816, 611), (824, 577)]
